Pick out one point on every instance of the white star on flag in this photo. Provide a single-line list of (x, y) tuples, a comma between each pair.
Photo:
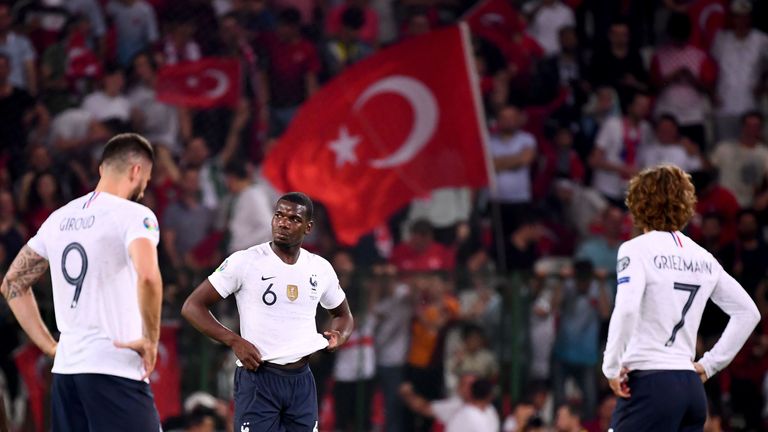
[(344, 147)]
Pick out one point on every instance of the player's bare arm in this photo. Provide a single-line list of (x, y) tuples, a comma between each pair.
[(25, 271), (342, 325), (197, 310), (150, 291)]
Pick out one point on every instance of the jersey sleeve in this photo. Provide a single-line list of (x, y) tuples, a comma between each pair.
[(37, 244), (142, 223), (226, 278), (333, 295), (730, 296), (630, 275)]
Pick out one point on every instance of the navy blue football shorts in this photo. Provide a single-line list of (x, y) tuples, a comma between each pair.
[(275, 400), (96, 403), (662, 401)]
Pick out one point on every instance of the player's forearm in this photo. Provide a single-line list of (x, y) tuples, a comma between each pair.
[(736, 333), (203, 320), (150, 304), (344, 324), (25, 310), (619, 332)]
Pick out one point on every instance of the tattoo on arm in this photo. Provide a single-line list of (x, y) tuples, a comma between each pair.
[(24, 272)]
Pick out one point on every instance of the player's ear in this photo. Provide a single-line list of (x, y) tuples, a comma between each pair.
[(309, 227)]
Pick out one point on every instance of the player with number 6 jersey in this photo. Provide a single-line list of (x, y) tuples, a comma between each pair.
[(107, 295), (664, 282)]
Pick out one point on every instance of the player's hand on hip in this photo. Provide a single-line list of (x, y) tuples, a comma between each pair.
[(51, 351), (147, 349), (619, 384), (700, 370), (247, 353), (334, 339)]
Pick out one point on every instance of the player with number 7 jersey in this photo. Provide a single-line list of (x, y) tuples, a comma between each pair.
[(664, 281), (107, 295)]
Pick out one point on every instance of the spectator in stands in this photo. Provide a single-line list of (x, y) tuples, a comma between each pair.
[(249, 209), (355, 361), (712, 241), (712, 198), (579, 205), (447, 209), (749, 266), (584, 304), (546, 18), (12, 232), (521, 413), (135, 25), (742, 54), (179, 44), (92, 10), (291, 66), (520, 247), (346, 47), (617, 149), (668, 147), (601, 247), (392, 313), (258, 16), (186, 221), (76, 132), (420, 252), (69, 67), (563, 162), (417, 23), (743, 164), (513, 151), (109, 101), (212, 182), (21, 55), (469, 411), (568, 419), (602, 422), (602, 104), (41, 200), (368, 30), (472, 357), (619, 65), (158, 122), (684, 76), (435, 308), (481, 305), (18, 113), (564, 70), (541, 326)]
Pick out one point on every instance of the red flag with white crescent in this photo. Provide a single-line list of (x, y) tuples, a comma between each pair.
[(389, 129), (206, 83)]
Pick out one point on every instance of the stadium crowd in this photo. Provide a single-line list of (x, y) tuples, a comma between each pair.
[(499, 300)]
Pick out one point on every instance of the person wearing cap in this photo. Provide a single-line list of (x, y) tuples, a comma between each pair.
[(741, 53)]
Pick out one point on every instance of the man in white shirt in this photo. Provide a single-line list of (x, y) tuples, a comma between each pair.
[(109, 102), (668, 147), (742, 56), (469, 411), (664, 282), (547, 17), (277, 286), (250, 212), (107, 294), (617, 149)]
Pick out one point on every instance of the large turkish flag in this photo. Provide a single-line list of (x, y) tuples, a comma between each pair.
[(391, 128), (205, 83)]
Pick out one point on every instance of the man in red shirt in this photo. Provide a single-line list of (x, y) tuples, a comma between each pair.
[(290, 66), (421, 252)]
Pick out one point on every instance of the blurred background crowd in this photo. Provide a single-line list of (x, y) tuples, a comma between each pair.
[(464, 296)]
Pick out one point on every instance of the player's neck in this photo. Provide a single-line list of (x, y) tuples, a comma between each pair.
[(113, 187), (288, 254)]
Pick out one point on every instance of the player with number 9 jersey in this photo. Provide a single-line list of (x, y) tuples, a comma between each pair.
[(664, 281), (94, 282)]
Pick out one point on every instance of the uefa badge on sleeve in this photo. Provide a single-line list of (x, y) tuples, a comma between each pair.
[(292, 292), (150, 224)]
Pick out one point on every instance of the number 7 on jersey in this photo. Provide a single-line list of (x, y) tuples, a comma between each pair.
[(692, 290)]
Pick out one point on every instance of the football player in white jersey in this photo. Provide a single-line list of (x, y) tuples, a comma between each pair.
[(277, 286), (107, 295), (664, 282)]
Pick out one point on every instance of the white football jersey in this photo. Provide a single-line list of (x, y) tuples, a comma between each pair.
[(664, 282), (277, 302), (94, 282)]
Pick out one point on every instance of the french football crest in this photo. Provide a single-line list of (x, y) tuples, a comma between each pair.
[(313, 281), (292, 292)]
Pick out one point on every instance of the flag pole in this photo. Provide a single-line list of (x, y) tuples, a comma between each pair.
[(483, 126)]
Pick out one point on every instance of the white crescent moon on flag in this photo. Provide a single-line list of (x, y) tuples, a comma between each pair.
[(425, 115), (707, 11), (222, 83)]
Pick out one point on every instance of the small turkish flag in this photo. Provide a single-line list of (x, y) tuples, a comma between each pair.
[(389, 129), (205, 83), (495, 21)]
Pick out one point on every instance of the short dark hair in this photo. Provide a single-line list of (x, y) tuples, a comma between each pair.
[(422, 227), (583, 268), (668, 117), (482, 389), (572, 408), (752, 113), (289, 16), (302, 199), (236, 168), (125, 146), (353, 18), (472, 329), (678, 27)]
